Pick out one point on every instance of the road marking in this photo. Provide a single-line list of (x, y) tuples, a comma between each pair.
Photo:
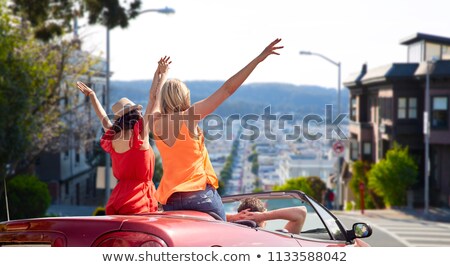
[(386, 231)]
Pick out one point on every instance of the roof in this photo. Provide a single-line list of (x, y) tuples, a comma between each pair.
[(440, 69), (395, 71), (378, 73), (401, 71), (355, 78), (425, 37)]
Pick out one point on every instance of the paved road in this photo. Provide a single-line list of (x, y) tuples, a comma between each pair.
[(393, 228)]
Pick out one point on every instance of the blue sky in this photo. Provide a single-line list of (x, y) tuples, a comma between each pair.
[(213, 39)]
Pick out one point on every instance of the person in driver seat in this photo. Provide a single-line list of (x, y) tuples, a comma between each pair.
[(253, 209)]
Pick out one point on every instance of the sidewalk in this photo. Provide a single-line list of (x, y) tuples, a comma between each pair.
[(434, 214)]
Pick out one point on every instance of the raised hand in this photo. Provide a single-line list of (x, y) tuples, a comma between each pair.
[(160, 77), (163, 65), (270, 49), (84, 88), (250, 215), (101, 114)]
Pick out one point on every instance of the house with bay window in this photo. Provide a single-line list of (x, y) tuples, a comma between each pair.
[(387, 105)]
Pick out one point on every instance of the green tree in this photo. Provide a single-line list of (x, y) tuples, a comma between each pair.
[(299, 183), (221, 190), (258, 185), (317, 186), (28, 197), (52, 18), (257, 190), (313, 186), (226, 172), (255, 164), (252, 156), (35, 78), (392, 176), (371, 199)]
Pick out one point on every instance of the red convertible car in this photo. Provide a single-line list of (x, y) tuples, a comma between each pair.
[(187, 228)]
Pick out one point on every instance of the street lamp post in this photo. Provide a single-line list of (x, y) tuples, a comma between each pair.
[(426, 132), (338, 65), (165, 10)]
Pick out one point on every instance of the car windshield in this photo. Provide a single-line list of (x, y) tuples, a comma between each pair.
[(319, 223)]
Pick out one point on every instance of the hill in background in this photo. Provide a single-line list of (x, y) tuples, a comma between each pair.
[(250, 98)]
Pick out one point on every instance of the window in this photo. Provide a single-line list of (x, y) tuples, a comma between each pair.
[(319, 224), (353, 111), (439, 113), (412, 108), (77, 156), (401, 113), (367, 149), (407, 108), (415, 52), (385, 108), (446, 52), (432, 50)]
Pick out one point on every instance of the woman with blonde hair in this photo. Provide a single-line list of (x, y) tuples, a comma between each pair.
[(127, 141), (189, 181)]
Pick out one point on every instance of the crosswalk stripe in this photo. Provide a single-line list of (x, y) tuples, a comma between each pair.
[(399, 228), (413, 233), (442, 236), (427, 245)]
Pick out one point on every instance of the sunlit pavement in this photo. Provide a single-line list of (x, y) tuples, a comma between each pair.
[(434, 214), (411, 228)]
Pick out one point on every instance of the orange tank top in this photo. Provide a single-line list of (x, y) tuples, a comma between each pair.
[(186, 165)]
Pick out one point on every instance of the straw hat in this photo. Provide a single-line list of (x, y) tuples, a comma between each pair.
[(123, 106)]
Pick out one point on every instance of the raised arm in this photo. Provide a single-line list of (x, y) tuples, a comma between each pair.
[(294, 215), (159, 78), (163, 68), (208, 105), (101, 114)]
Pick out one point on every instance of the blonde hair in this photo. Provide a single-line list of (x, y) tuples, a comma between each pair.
[(175, 97)]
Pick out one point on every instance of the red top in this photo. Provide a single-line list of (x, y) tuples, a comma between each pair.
[(135, 191)]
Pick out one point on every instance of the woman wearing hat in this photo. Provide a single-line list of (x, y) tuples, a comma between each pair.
[(127, 141), (189, 181)]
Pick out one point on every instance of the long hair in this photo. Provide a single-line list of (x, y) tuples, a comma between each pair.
[(127, 121), (175, 97)]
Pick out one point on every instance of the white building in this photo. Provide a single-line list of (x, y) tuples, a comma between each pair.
[(308, 163), (70, 177)]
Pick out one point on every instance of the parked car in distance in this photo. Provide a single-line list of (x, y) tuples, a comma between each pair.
[(187, 228)]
